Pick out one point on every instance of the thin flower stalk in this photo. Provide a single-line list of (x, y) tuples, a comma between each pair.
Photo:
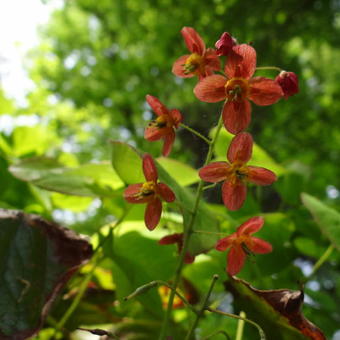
[(188, 230)]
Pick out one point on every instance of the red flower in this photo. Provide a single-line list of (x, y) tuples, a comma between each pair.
[(242, 243), (177, 239), (237, 173), (164, 125), (151, 192), (224, 46), (201, 62), (238, 88), (289, 83)]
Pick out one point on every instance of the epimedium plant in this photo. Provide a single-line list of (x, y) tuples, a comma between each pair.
[(155, 187), (235, 85)]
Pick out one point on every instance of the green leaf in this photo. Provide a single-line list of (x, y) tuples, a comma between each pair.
[(327, 218), (182, 173), (205, 219), (126, 163), (87, 180), (36, 259), (309, 247), (140, 260), (259, 158), (32, 140)]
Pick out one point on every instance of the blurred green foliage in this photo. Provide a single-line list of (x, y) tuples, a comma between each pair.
[(96, 62)]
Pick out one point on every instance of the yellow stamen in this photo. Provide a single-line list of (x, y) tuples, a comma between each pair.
[(239, 172), (194, 63), (161, 122), (237, 89), (147, 189)]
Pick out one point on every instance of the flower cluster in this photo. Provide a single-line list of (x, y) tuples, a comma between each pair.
[(237, 86)]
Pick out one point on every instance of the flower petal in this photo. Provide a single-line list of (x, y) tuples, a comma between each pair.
[(260, 176), (212, 61), (176, 117), (240, 148), (149, 168), (131, 194), (178, 67), (214, 172), (259, 246), (153, 213), (170, 239), (236, 258), (250, 226), (152, 133), (157, 106), (243, 67), (224, 243), (169, 139), (192, 39), (211, 89), (233, 195), (264, 91), (236, 116), (165, 192)]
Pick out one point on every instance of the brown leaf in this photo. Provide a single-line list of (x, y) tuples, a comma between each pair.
[(281, 306)]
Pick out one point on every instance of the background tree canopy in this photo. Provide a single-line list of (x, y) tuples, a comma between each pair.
[(96, 62)]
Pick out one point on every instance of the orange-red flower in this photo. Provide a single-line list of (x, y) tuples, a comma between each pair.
[(163, 127), (241, 243), (237, 173), (237, 88), (177, 239), (201, 62), (289, 83), (151, 192)]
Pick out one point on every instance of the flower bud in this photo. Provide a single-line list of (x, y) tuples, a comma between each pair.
[(225, 44), (289, 83)]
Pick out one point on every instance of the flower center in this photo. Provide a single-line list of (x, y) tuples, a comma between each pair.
[(148, 188), (237, 89), (193, 63), (160, 122), (239, 171)]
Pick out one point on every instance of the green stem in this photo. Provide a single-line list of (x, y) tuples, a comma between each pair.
[(209, 186), (240, 326), (187, 234), (202, 309), (321, 261), (143, 289), (269, 68), (216, 333), (95, 259), (195, 133), (210, 232), (78, 297), (260, 330)]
